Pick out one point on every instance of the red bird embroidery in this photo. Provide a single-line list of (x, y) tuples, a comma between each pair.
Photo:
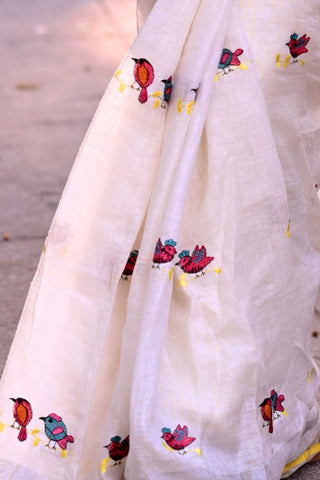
[(131, 263), (297, 46), (164, 253), (196, 262), (267, 413), (178, 440), (22, 413), (118, 449), (167, 89), (144, 75), (269, 408)]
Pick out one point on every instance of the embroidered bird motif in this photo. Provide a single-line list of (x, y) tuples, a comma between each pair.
[(276, 401), (164, 253), (144, 75), (229, 58), (22, 413), (270, 406), (297, 46), (196, 262), (178, 440), (131, 263), (56, 431), (118, 449), (167, 89), (267, 413)]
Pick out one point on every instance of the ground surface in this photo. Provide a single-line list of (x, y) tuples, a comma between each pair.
[(57, 57)]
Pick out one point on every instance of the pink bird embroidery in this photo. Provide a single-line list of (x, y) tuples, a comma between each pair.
[(144, 75), (277, 402), (196, 262), (131, 263), (297, 46), (229, 58), (164, 253), (178, 440)]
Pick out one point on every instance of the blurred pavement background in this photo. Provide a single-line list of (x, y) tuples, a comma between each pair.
[(57, 57)]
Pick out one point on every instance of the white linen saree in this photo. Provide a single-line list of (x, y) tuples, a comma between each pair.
[(166, 332)]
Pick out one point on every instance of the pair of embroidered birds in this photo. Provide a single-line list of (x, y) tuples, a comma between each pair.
[(178, 440), (194, 263), (55, 428)]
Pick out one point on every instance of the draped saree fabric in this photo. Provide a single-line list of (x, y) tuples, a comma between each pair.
[(166, 331)]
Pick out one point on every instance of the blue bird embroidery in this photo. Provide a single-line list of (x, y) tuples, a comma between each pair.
[(56, 431)]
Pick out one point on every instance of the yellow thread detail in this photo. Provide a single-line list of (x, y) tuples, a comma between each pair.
[(156, 103), (216, 77), (2, 425), (35, 432), (118, 72), (121, 87), (44, 249), (243, 66), (182, 280), (217, 270), (288, 230), (286, 60), (36, 441), (189, 107), (310, 374), (179, 105), (171, 273), (63, 453), (156, 94), (167, 447), (311, 451), (285, 413), (278, 60), (302, 63), (197, 450), (103, 464)]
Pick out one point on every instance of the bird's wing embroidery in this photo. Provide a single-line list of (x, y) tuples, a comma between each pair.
[(125, 443), (279, 406), (158, 247), (225, 56), (198, 254), (303, 40), (57, 430), (180, 433)]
